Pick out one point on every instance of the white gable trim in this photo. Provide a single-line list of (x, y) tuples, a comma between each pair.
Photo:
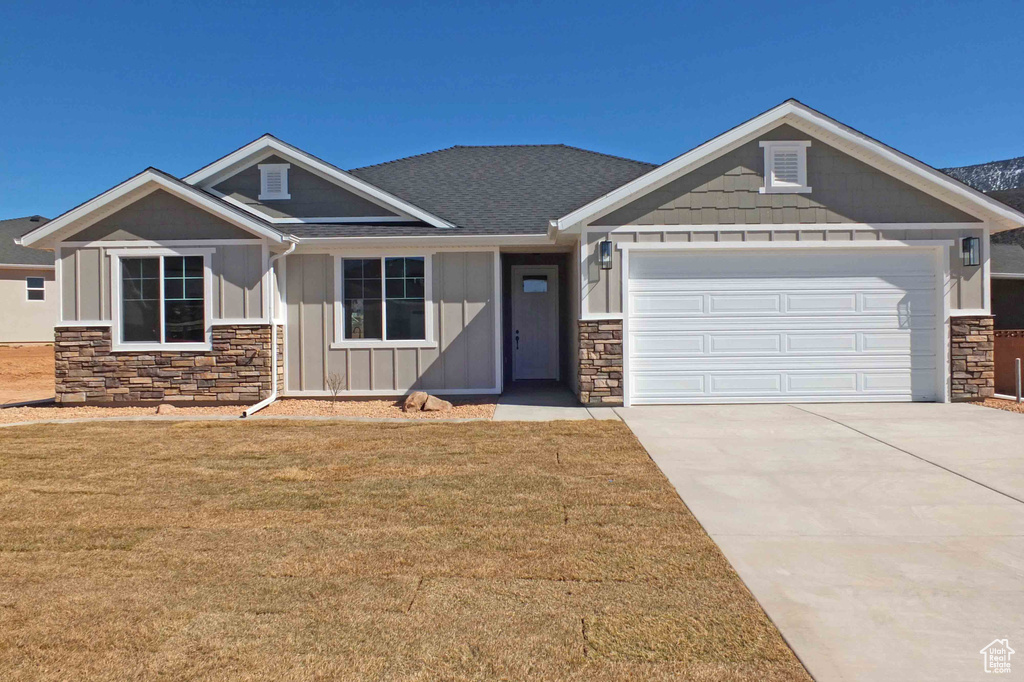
[(142, 184), (268, 145), (901, 166)]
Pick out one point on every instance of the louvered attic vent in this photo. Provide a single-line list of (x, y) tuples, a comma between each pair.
[(274, 181), (785, 167)]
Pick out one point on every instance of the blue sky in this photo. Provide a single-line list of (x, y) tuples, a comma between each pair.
[(92, 93)]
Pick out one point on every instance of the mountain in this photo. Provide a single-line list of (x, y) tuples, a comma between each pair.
[(988, 177)]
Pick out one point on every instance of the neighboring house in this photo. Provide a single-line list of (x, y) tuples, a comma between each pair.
[(791, 259), (28, 293)]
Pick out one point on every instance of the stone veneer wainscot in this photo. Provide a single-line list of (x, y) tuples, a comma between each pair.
[(972, 344), (237, 369), (600, 368)]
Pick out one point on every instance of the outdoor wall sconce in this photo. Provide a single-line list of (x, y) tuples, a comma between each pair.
[(605, 254), (970, 249)]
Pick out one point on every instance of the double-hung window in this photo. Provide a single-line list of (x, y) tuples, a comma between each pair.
[(383, 299), (162, 300), (35, 288)]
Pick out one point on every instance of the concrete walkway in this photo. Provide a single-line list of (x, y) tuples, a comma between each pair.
[(544, 401), (885, 541)]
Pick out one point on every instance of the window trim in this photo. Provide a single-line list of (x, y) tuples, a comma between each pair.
[(340, 342), (770, 148), (119, 346), (264, 169), (29, 289)]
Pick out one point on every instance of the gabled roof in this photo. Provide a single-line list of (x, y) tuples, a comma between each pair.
[(148, 180), (226, 166), (848, 140), (11, 253), (506, 190)]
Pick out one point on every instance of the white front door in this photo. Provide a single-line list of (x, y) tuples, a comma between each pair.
[(534, 322), (785, 326)]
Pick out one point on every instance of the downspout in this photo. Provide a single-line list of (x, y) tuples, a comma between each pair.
[(273, 334)]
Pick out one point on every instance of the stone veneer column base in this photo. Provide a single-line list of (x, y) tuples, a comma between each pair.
[(972, 358), (237, 368), (600, 362)]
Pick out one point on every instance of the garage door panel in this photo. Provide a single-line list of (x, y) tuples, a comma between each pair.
[(807, 327)]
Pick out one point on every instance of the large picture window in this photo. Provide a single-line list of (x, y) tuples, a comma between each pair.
[(162, 299), (383, 299)]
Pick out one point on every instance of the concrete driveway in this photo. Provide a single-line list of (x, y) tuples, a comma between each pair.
[(885, 541)]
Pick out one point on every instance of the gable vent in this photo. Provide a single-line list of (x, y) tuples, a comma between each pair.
[(274, 181), (785, 167)]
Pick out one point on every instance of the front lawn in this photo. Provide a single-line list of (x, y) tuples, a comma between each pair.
[(312, 550)]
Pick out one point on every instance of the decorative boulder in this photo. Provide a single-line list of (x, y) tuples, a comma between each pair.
[(414, 401), (166, 409), (436, 405)]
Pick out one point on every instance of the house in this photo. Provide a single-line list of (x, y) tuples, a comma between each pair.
[(790, 259), (28, 292)]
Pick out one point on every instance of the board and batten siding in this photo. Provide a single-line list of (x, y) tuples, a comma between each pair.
[(602, 290), (461, 358), (237, 271)]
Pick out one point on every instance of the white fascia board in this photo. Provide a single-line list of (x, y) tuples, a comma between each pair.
[(787, 112), (269, 142), (468, 241), (25, 266), (156, 179)]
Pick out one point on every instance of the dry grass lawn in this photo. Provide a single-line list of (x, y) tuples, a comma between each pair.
[(26, 373), (284, 550)]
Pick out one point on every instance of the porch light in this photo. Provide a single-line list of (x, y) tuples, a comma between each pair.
[(970, 249), (605, 255)]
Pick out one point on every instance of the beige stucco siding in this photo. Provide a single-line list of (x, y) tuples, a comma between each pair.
[(725, 191), (26, 321), (463, 312), (236, 269), (160, 216), (602, 291), (311, 195)]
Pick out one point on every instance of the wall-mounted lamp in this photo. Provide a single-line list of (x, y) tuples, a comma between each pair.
[(970, 249), (605, 254)]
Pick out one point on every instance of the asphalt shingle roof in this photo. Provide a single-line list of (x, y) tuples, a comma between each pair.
[(11, 253), (1008, 258), (513, 189)]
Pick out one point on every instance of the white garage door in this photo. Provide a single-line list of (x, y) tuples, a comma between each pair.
[(783, 325)]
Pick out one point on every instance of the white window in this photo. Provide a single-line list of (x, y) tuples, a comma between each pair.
[(35, 288), (383, 300), (274, 181), (785, 167), (161, 300)]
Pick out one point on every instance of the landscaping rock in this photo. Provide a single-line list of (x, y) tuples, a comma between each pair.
[(414, 401), (434, 404), (166, 409)]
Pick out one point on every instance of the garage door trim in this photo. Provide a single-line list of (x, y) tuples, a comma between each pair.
[(940, 250)]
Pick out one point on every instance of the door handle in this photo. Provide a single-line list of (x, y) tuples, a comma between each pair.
[(517, 339)]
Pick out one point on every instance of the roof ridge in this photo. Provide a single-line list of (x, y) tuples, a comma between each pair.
[(27, 217), (503, 146)]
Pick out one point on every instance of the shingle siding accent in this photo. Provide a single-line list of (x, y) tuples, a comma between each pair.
[(236, 370), (600, 362), (972, 343)]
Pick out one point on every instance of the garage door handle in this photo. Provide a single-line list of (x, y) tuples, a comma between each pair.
[(517, 339)]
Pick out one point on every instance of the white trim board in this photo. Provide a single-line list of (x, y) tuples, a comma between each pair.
[(266, 145), (808, 120), (142, 184), (25, 266)]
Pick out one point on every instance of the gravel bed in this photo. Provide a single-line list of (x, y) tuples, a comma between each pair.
[(471, 408), (1008, 405)]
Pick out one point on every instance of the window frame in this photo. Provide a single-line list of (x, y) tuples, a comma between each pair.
[(770, 149), (29, 289), (341, 342), (274, 196), (117, 345)]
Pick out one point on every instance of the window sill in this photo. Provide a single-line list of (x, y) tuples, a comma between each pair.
[(784, 190), (343, 345), (160, 347)]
